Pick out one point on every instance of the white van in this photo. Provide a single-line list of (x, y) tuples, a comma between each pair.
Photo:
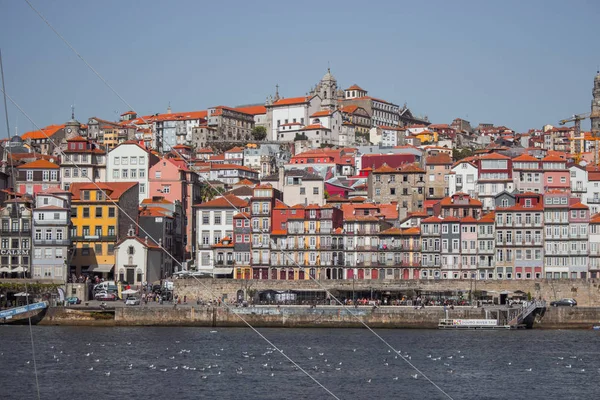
[(109, 286)]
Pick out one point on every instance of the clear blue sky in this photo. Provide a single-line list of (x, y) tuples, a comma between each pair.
[(522, 64)]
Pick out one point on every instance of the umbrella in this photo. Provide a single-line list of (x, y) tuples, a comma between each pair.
[(19, 270), (519, 292), (4, 269), (21, 294), (129, 291)]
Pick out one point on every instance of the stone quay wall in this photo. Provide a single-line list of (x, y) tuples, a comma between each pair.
[(586, 292), (303, 317)]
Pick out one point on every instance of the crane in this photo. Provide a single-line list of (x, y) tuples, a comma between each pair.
[(577, 118)]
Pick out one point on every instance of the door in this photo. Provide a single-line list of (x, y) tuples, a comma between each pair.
[(361, 273), (405, 274), (374, 273), (130, 275)]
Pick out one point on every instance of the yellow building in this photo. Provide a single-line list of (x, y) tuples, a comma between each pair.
[(427, 136), (97, 224)]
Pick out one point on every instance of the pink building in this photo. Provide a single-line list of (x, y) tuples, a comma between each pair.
[(556, 174), (468, 247), (172, 179)]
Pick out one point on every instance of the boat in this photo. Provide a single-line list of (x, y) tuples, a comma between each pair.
[(596, 327), (449, 323), (22, 314)]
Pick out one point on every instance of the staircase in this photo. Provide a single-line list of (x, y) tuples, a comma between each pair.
[(530, 310)]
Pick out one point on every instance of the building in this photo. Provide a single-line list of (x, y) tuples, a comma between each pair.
[(130, 162), (15, 237), (556, 174), (98, 224), (214, 220), (45, 140), (298, 186), (556, 239), (291, 110), (463, 178), (495, 175), (139, 261), (51, 235), (230, 174), (594, 251), (382, 112), (579, 220), (261, 207), (37, 176), (486, 237), (528, 174), (458, 205), (161, 221), (175, 182), (230, 124), (405, 185), (241, 245), (359, 117), (83, 161), (234, 156), (438, 169), (263, 159), (579, 182), (595, 109), (519, 236)]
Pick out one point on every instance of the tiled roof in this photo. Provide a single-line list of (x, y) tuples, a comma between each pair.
[(314, 126), (322, 113), (39, 164), (49, 131), (411, 168), (526, 158), (154, 212), (355, 87), (253, 110), (227, 201), (385, 169), (160, 200), (494, 156), (113, 189), (236, 149), (291, 101), (433, 218), (579, 206), (440, 159)]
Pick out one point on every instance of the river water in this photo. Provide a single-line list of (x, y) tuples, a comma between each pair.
[(235, 363)]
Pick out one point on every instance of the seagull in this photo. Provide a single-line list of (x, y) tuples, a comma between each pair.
[(449, 358), (98, 360), (203, 376), (107, 373), (429, 356), (320, 354), (568, 366), (528, 370), (87, 355), (128, 343), (27, 362), (163, 369), (309, 348), (415, 376), (462, 356), (272, 374), (582, 370), (91, 369), (369, 381), (395, 378), (175, 367), (172, 358), (509, 363), (561, 358), (151, 366), (446, 364), (354, 350)]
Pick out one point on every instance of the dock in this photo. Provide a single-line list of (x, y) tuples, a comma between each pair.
[(500, 317)]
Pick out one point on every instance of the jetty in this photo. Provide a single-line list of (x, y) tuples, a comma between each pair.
[(22, 314), (521, 316)]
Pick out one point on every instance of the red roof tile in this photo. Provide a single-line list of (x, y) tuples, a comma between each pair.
[(39, 164), (227, 201)]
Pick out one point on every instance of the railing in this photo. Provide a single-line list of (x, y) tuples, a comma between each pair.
[(44, 242), (39, 222), (94, 238), (593, 200), (15, 231)]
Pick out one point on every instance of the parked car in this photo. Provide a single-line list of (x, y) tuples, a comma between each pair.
[(104, 296), (564, 302), (132, 301), (73, 300)]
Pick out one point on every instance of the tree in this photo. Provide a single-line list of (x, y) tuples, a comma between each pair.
[(259, 133), (459, 154)]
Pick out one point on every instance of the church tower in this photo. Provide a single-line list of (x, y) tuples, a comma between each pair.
[(328, 91), (72, 127), (595, 112)]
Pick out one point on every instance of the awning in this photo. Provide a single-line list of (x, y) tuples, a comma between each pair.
[(222, 271), (100, 268)]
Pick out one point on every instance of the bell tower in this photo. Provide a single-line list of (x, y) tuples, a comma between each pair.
[(327, 90), (72, 126), (595, 111)]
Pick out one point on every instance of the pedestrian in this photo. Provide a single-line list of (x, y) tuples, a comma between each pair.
[(185, 299)]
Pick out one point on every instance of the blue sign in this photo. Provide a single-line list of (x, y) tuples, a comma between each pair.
[(21, 310)]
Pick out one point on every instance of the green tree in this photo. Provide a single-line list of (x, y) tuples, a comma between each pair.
[(259, 133), (459, 154)]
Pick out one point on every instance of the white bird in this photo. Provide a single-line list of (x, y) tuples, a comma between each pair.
[(582, 370), (272, 374), (130, 366), (415, 376), (561, 358), (568, 366), (172, 358), (193, 369), (107, 373), (446, 364), (369, 381), (128, 343), (163, 369), (97, 360), (320, 354), (395, 378), (528, 370), (338, 369), (219, 373), (429, 356), (177, 341), (27, 362), (51, 347), (386, 364), (87, 355), (354, 350), (151, 366), (203, 376), (450, 358), (462, 356), (509, 363), (308, 348), (91, 369), (175, 367)]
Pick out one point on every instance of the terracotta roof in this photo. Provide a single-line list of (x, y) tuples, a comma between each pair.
[(245, 182), (433, 218), (553, 158), (77, 139), (242, 215), (526, 158), (314, 126), (450, 219), (488, 218), (278, 232), (291, 100), (39, 164), (160, 200), (322, 113), (374, 99), (579, 206), (149, 244), (355, 87), (447, 202), (227, 201), (494, 156), (253, 110), (440, 159), (154, 212), (385, 168), (412, 231), (595, 219), (349, 109), (236, 149), (411, 168), (113, 189), (468, 220), (49, 131), (391, 231)]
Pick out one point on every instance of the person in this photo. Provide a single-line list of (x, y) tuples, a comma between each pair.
[(185, 299)]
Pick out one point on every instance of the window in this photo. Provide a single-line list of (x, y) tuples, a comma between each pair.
[(59, 234), (142, 160), (142, 173), (111, 212), (99, 212), (67, 172), (130, 250), (29, 176), (302, 190), (86, 212), (133, 173), (166, 189), (125, 174), (315, 190), (115, 173), (157, 174), (142, 188), (98, 248), (205, 218), (218, 218), (117, 161)]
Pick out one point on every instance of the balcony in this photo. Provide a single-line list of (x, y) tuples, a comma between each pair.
[(96, 238), (593, 200), (15, 232), (43, 242), (45, 222)]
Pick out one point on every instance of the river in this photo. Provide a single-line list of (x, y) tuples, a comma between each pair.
[(235, 363)]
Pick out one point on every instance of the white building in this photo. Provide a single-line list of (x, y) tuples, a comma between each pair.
[(392, 136), (579, 183), (463, 178), (140, 260), (214, 221), (231, 174), (262, 159), (130, 162), (51, 236), (292, 110), (298, 186)]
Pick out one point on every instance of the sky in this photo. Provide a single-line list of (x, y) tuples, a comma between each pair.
[(522, 64)]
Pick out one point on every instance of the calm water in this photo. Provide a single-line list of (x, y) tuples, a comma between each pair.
[(239, 365)]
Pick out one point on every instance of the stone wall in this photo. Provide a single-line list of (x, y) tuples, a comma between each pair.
[(587, 293)]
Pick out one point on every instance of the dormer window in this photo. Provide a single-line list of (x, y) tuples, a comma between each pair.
[(527, 202)]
